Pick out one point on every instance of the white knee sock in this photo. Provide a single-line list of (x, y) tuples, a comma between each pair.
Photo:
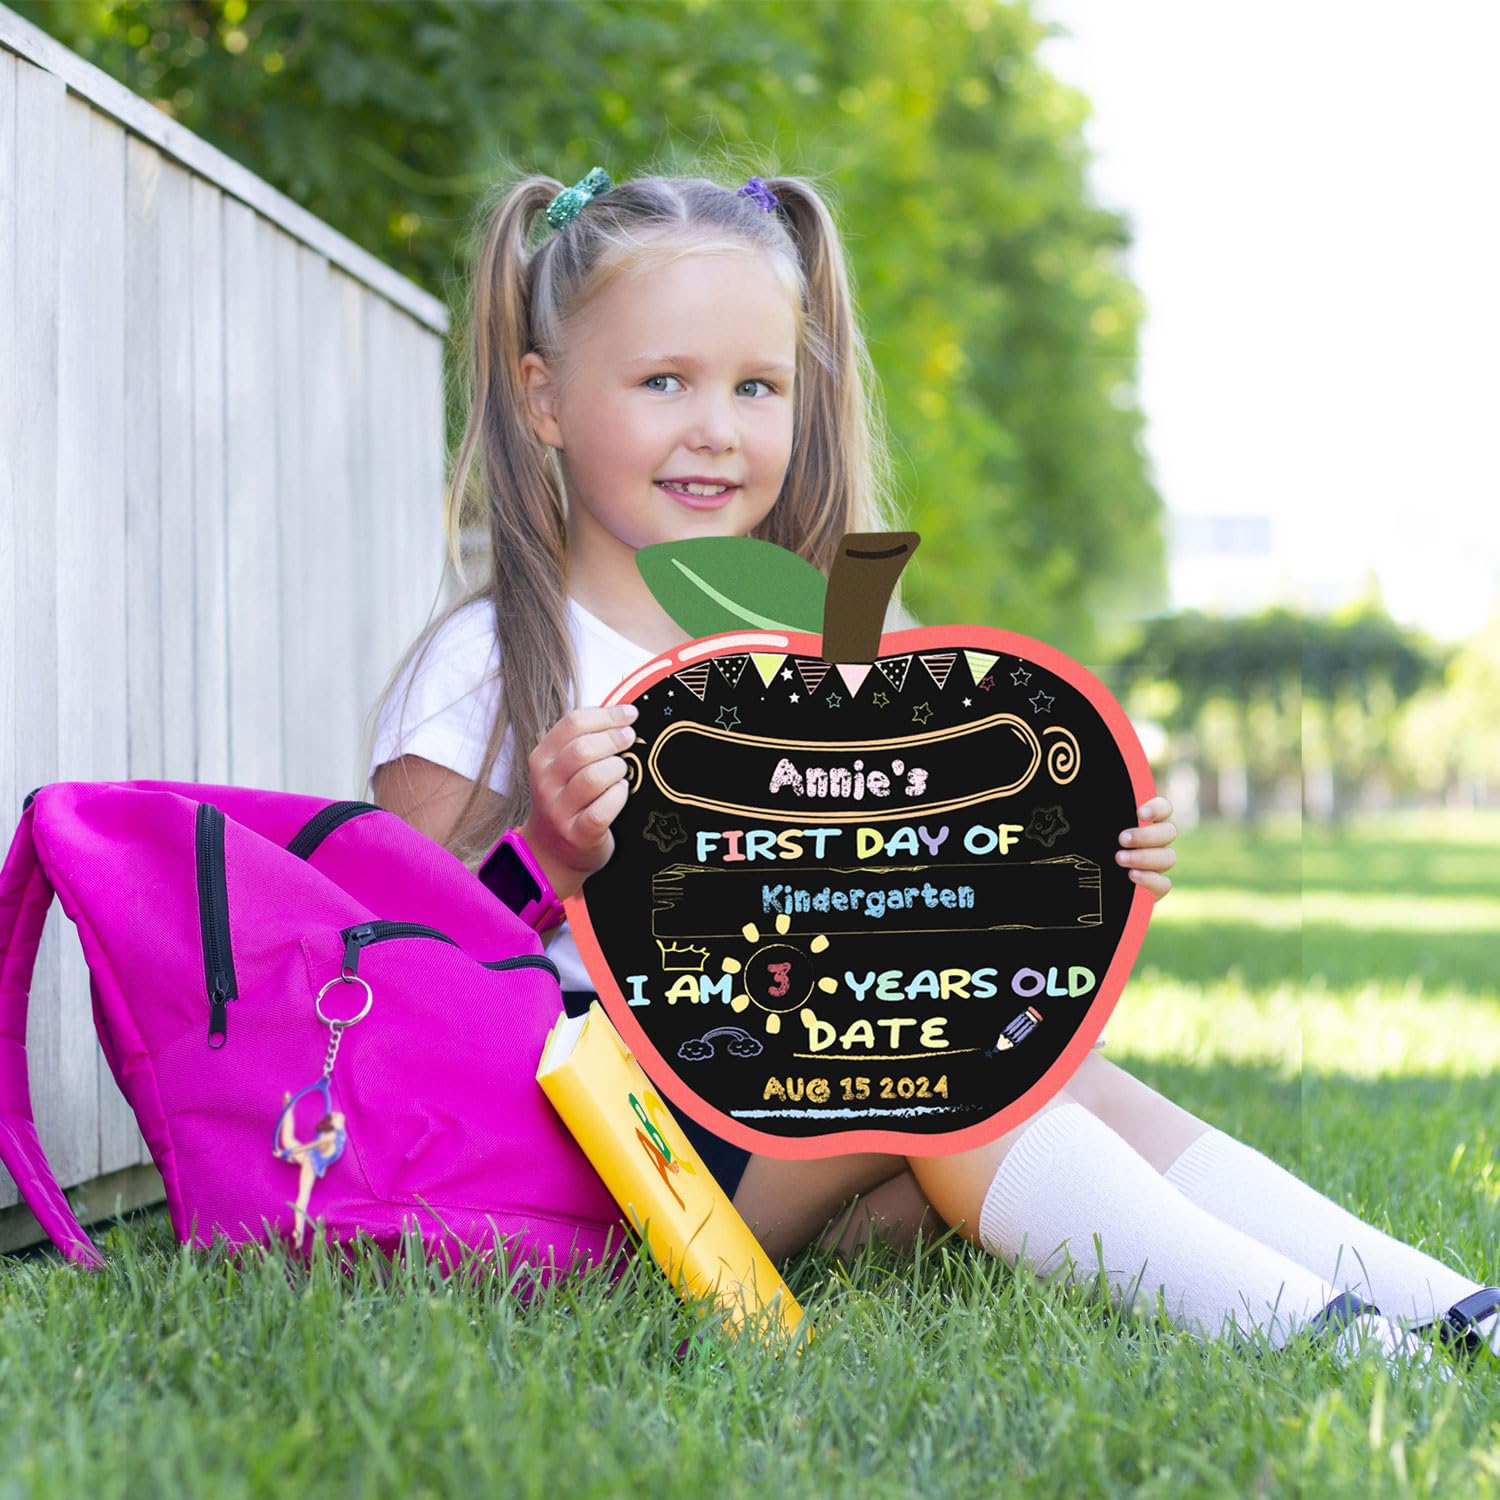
[(1246, 1189), (1068, 1176)]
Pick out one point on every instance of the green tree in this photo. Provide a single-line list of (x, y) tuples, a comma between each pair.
[(1281, 694), (1000, 321), (1447, 738)]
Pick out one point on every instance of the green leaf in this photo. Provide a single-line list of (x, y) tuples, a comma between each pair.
[(716, 583)]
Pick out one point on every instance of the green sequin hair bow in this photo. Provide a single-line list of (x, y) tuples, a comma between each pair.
[(566, 205)]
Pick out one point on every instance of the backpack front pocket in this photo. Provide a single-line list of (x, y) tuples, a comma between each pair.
[(439, 1080)]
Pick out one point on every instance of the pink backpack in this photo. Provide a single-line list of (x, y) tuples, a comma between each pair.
[(217, 922)]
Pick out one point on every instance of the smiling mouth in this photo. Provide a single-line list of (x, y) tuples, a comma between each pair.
[(698, 502)]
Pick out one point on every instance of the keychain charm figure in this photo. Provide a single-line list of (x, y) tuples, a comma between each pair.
[(315, 1156)]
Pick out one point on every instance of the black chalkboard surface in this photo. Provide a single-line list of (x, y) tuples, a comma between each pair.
[(868, 905)]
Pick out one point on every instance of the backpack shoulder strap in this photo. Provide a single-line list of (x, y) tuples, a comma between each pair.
[(25, 897)]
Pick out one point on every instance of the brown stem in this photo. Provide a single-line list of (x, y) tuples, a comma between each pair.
[(860, 583)]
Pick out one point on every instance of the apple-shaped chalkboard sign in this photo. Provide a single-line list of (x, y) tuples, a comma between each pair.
[(863, 894)]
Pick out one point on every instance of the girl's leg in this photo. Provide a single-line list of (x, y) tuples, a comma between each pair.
[(892, 1213), (1239, 1185), (1040, 1195), (786, 1203), (1158, 1129)]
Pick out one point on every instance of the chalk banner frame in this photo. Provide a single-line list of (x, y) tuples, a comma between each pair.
[(689, 773)]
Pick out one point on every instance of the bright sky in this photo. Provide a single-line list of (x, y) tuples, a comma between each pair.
[(1314, 187)]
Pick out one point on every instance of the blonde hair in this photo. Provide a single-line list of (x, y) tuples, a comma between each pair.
[(525, 298)]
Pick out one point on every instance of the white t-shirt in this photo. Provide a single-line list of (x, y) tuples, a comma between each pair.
[(451, 708)]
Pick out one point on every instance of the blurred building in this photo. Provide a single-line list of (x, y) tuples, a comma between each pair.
[(1227, 564)]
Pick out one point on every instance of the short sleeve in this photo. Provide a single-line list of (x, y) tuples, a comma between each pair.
[(444, 705)]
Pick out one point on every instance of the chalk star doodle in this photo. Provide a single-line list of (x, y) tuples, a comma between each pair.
[(1047, 826), (701, 1048), (834, 701), (734, 717), (666, 713), (986, 683), (793, 698), (921, 713), (880, 700), (786, 674), (665, 830), (968, 703), (1020, 677), (1042, 702)]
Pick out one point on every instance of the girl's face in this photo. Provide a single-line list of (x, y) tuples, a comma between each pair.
[(684, 372)]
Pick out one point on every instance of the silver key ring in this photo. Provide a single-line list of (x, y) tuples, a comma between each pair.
[(335, 1020)]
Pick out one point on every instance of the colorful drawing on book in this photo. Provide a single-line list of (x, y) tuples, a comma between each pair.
[(889, 857), (651, 1140)]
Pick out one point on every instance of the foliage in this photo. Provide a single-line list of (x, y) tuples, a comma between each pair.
[(1000, 320), (1237, 656), (1282, 693), (1451, 732)]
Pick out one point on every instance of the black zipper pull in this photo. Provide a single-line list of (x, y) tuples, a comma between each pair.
[(218, 1021), (354, 940)]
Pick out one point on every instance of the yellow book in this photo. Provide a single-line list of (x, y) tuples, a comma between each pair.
[(692, 1230)]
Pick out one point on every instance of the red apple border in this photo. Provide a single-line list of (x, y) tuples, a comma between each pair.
[(897, 643)]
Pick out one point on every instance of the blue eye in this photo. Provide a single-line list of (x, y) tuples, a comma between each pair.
[(771, 388)]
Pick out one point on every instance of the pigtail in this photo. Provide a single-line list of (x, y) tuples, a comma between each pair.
[(505, 482), (839, 478), (525, 510), (519, 497)]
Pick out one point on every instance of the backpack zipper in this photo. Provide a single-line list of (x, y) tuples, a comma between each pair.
[(366, 933), (213, 918), (321, 824)]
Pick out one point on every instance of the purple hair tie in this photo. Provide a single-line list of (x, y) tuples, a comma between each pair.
[(756, 188)]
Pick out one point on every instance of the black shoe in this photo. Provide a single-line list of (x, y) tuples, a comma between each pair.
[(1339, 1313), (1345, 1308), (1328, 1324), (1459, 1326)]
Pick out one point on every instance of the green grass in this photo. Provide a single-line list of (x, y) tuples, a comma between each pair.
[(1335, 1005)]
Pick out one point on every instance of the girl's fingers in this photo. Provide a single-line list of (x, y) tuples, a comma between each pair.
[(592, 822), (585, 787), (1158, 885), (1146, 859), (1154, 811), (559, 757), (587, 720), (581, 723), (589, 749), (1153, 836)]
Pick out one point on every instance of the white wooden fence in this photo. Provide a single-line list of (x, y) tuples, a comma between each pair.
[(221, 454)]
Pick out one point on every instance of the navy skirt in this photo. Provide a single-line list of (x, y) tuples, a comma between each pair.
[(726, 1161)]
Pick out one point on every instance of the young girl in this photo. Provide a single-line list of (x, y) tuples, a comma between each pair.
[(677, 358)]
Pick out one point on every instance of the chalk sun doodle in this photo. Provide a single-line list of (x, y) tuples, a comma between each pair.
[(863, 894)]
